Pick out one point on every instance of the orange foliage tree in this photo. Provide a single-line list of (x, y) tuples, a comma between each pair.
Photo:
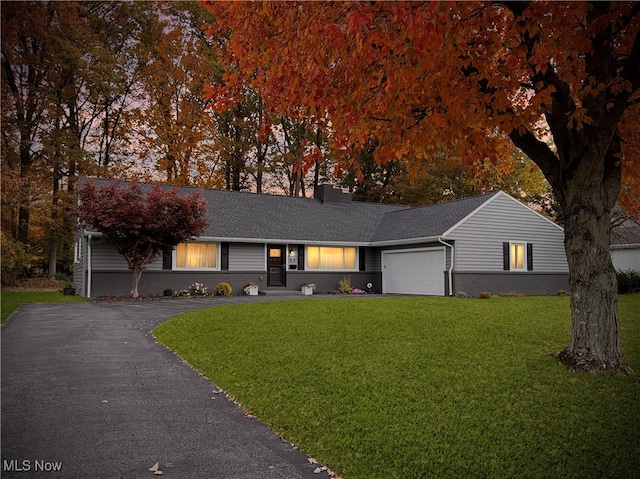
[(560, 79)]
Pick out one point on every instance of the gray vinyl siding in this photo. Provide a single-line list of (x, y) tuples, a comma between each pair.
[(626, 259), (479, 238), (105, 257), (372, 259), (247, 257), (79, 263)]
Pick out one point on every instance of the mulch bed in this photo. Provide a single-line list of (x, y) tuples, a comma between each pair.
[(37, 284)]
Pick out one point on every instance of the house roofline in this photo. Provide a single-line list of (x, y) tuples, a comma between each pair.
[(282, 240), (406, 241), (498, 194), (399, 242), (625, 246)]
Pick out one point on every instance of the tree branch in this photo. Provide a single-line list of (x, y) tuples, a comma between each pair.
[(539, 152)]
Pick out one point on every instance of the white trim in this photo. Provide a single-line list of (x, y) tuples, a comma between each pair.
[(77, 251), (424, 239), (283, 241), (88, 265), (451, 266), (266, 258), (625, 246), (525, 262)]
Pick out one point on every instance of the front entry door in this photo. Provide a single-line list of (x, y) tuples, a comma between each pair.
[(277, 264)]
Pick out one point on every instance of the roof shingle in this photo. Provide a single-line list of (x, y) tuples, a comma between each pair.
[(235, 215)]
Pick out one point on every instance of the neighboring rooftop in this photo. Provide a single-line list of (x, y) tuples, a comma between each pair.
[(626, 233)]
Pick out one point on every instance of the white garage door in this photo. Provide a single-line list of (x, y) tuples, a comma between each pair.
[(414, 272)]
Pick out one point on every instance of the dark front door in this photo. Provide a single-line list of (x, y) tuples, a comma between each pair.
[(277, 264)]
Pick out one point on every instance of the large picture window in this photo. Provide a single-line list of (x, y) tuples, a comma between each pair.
[(331, 257), (197, 255)]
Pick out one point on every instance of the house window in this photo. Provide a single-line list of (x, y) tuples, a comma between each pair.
[(77, 251), (331, 258), (517, 258), (197, 255)]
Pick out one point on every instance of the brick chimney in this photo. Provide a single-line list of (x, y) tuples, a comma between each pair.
[(327, 193)]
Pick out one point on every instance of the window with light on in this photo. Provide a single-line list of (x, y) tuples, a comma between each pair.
[(331, 258), (196, 255), (517, 255)]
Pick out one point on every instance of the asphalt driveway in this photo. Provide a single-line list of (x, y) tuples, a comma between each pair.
[(88, 393)]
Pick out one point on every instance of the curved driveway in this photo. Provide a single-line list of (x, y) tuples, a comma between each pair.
[(88, 393)]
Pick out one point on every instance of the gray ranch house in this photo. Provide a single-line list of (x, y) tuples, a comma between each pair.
[(490, 242)]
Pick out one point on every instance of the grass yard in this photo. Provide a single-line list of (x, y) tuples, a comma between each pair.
[(423, 387), (12, 299)]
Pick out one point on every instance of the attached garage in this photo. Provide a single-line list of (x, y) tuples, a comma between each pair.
[(416, 271)]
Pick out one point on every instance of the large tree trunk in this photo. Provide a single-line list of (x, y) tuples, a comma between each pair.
[(595, 345), (53, 257), (587, 190), (586, 177), (25, 189)]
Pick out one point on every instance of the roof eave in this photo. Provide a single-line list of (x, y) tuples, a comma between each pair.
[(406, 241), (234, 239), (625, 246)]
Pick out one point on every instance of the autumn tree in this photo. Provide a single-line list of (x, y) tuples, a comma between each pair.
[(66, 74), (560, 79), (141, 224), (26, 32), (454, 179), (173, 116)]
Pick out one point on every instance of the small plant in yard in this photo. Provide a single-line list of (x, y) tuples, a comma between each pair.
[(462, 294), (195, 290), (167, 292), (562, 292), (512, 294), (223, 289), (344, 285), (485, 295), (358, 291)]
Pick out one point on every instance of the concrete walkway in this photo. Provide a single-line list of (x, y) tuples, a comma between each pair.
[(88, 393)]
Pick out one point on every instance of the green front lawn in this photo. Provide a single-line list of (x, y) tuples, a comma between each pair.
[(12, 299), (423, 387)]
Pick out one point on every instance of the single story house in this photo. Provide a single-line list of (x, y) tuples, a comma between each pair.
[(625, 246), (491, 242)]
